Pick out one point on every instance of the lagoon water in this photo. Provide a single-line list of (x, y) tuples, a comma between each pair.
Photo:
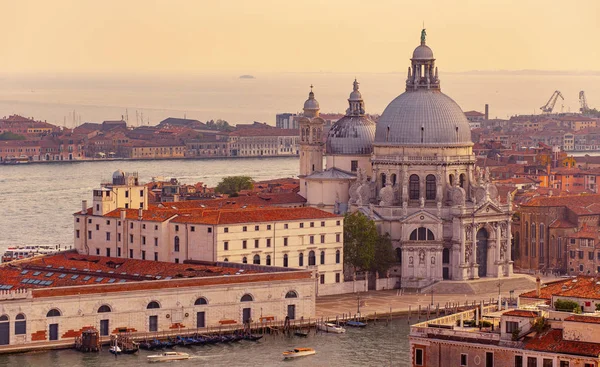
[(376, 345)]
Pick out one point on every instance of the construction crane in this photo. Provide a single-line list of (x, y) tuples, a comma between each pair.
[(582, 101), (549, 106)]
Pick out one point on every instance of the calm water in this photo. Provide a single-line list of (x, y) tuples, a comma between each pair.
[(38, 200), (57, 98), (376, 345)]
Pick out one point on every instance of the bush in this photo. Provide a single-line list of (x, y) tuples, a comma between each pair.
[(566, 305), (484, 323)]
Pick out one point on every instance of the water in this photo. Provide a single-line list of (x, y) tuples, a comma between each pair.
[(66, 99), (38, 200), (375, 345)]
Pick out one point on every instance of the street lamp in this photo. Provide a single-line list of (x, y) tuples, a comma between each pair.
[(431, 296)]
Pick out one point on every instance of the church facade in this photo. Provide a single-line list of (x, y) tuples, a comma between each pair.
[(414, 174)]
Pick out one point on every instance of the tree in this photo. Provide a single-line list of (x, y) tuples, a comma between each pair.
[(360, 238), (7, 135), (232, 185), (384, 254)]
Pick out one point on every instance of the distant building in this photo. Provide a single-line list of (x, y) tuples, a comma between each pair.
[(263, 142), (475, 119), (286, 121)]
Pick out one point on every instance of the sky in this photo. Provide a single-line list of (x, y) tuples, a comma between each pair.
[(211, 36)]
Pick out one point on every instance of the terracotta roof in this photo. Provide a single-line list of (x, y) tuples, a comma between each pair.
[(584, 318), (71, 269), (265, 132), (552, 341), (521, 313), (560, 223), (580, 204), (235, 216)]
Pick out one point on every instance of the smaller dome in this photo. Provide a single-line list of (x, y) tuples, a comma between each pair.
[(311, 103), (355, 95), (351, 135), (423, 52), (118, 174)]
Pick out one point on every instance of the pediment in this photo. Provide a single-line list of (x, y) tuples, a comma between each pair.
[(422, 216), (489, 208)]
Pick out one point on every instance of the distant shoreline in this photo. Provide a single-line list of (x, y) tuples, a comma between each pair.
[(146, 159)]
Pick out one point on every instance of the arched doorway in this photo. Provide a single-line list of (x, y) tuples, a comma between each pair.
[(482, 250)]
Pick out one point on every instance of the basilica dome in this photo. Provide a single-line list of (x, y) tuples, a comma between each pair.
[(423, 115), (354, 133)]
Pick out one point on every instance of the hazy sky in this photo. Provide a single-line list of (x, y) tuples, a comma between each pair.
[(199, 36)]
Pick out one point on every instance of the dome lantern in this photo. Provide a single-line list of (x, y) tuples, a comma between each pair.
[(311, 106)]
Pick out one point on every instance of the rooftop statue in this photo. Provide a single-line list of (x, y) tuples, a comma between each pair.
[(423, 35)]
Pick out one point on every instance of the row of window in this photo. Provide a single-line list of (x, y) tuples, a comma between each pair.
[(312, 259), (226, 246)]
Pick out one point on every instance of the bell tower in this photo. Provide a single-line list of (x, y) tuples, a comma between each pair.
[(311, 140)]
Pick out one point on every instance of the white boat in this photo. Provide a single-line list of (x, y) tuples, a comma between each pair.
[(23, 252), (298, 352), (328, 327), (168, 356), (115, 349)]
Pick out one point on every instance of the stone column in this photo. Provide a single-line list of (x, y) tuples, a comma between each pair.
[(498, 267), (507, 256), (475, 267)]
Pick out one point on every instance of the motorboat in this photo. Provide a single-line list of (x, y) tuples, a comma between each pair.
[(23, 252), (298, 352), (329, 327), (168, 356), (354, 323)]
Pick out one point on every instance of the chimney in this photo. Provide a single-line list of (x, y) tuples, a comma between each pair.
[(140, 213), (538, 286), (123, 214), (487, 111), (83, 206)]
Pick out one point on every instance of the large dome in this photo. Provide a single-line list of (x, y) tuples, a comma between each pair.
[(351, 135), (423, 117)]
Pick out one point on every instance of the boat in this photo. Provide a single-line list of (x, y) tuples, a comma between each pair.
[(329, 327), (168, 356), (298, 352), (302, 333), (354, 323), (23, 252), (252, 337), (115, 349)]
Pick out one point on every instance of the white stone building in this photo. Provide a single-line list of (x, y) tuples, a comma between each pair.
[(416, 177), (54, 298)]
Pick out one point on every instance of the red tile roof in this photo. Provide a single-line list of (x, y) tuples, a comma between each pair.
[(586, 319), (235, 216), (552, 341), (521, 313), (71, 269)]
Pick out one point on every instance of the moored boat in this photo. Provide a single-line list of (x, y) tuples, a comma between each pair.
[(23, 252), (354, 323), (329, 327), (168, 356), (115, 349), (298, 352)]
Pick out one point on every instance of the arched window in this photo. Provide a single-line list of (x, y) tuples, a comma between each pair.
[(20, 325), (322, 257), (516, 246), (451, 179), (285, 260), (247, 298), (291, 294), (244, 260), (176, 243), (256, 260), (421, 234), (526, 239), (200, 301), (533, 237), (413, 187), (3, 318), (53, 313), (337, 256), (301, 259), (446, 256), (104, 308), (225, 260), (541, 236), (152, 305), (394, 178), (430, 187), (559, 250), (383, 179), (462, 180), (268, 261), (311, 258), (399, 255)]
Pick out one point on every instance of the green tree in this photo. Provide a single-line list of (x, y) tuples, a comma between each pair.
[(232, 185), (360, 239), (11, 136), (384, 254)]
